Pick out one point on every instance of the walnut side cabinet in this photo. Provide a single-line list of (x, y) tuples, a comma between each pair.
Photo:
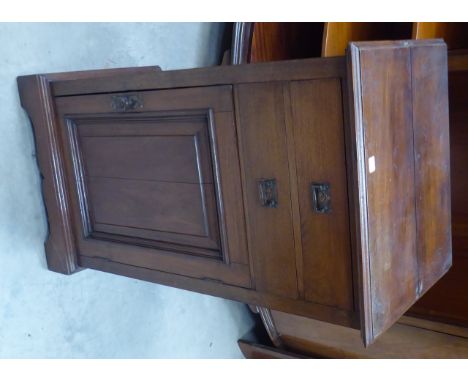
[(318, 187)]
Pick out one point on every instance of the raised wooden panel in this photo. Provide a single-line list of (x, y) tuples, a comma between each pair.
[(117, 148), (149, 183), (390, 227), (403, 251), (317, 118), (432, 162), (264, 156), (148, 177)]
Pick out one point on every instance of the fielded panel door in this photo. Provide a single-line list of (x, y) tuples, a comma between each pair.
[(155, 181)]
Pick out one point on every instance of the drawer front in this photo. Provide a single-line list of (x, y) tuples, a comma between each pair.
[(148, 173), (264, 153), (317, 120)]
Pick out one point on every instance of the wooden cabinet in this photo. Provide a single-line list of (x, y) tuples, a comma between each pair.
[(318, 187)]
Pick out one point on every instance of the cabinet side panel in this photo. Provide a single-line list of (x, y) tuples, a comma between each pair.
[(264, 156), (432, 162), (386, 98), (402, 102), (320, 158)]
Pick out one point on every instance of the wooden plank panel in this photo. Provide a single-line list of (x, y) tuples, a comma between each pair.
[(170, 210), (264, 156), (144, 158), (220, 75), (320, 157), (179, 157), (163, 100), (388, 191), (397, 177), (432, 163), (232, 217)]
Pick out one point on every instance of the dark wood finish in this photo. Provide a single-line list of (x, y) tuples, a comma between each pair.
[(102, 73), (432, 163), (264, 156), (317, 118), (202, 179), (171, 209), (313, 265), (390, 170), (173, 200), (218, 75), (37, 99)]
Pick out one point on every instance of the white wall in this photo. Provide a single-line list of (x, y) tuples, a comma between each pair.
[(92, 314)]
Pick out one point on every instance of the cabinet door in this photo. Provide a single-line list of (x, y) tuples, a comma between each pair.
[(319, 148), (401, 143), (155, 182), (263, 138), (291, 136)]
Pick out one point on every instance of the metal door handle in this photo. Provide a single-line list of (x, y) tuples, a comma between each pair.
[(321, 197), (268, 193)]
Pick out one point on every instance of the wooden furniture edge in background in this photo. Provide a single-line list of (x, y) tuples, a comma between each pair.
[(314, 338), (253, 350)]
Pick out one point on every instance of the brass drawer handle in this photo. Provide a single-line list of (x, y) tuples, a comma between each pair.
[(321, 197), (268, 194)]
